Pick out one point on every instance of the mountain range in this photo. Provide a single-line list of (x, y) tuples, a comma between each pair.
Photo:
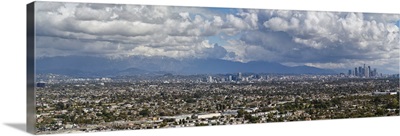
[(88, 66)]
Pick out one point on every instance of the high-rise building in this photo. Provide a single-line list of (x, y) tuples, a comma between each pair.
[(364, 71), (368, 69), (349, 72), (240, 75), (360, 72), (375, 72), (355, 72), (210, 79)]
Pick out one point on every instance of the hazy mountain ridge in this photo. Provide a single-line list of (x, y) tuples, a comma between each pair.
[(136, 65)]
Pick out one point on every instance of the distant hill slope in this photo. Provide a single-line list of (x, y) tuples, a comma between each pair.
[(137, 65)]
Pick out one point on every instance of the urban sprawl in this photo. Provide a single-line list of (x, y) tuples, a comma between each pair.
[(65, 104)]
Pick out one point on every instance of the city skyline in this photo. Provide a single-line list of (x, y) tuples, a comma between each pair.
[(107, 67), (328, 40), (365, 71)]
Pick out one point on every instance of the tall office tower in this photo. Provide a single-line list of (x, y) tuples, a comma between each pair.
[(210, 79), (360, 73), (355, 72), (367, 72), (349, 72), (375, 72), (240, 75), (230, 78), (371, 73), (364, 70)]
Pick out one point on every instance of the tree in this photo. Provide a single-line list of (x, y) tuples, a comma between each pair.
[(247, 117), (393, 104), (180, 121), (240, 112), (163, 124), (162, 114), (183, 121), (60, 106), (380, 112), (190, 100), (144, 112)]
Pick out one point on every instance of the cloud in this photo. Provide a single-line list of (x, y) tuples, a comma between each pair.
[(320, 39), (200, 50), (106, 29), (326, 39), (349, 31), (48, 6)]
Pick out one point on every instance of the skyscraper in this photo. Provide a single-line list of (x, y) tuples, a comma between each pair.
[(360, 73), (349, 72), (364, 71), (355, 72), (210, 79)]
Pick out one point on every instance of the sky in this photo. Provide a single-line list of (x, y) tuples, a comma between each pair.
[(331, 40)]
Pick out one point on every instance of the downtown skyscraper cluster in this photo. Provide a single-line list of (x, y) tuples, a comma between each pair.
[(363, 71)]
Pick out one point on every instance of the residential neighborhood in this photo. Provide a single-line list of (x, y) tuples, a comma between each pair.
[(68, 105)]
